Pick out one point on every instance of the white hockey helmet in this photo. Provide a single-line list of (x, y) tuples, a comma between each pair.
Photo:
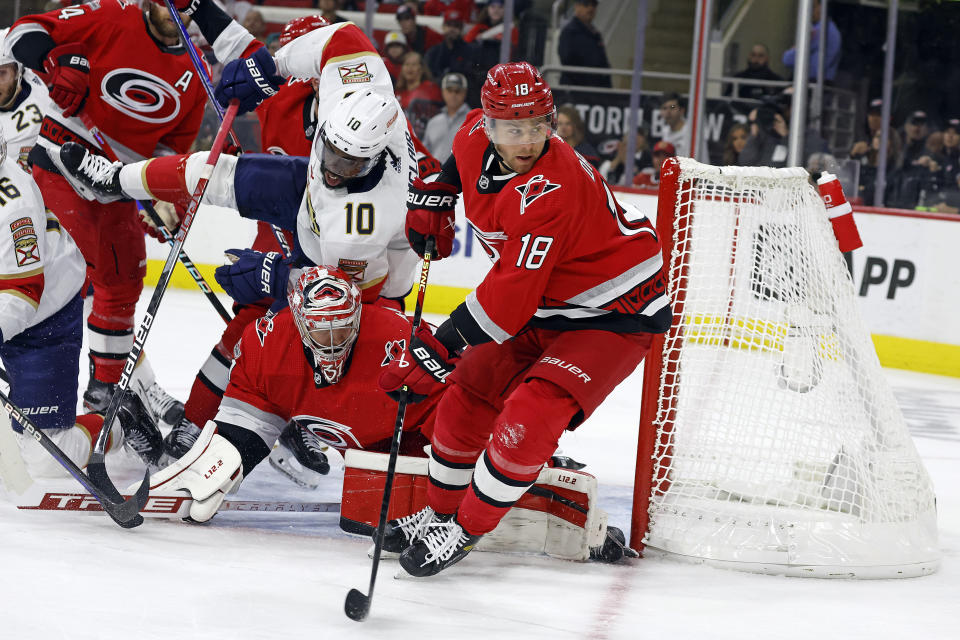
[(357, 132), (325, 304)]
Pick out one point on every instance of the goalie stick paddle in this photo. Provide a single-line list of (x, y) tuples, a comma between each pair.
[(146, 206), (208, 87), (125, 512), (96, 467), (357, 605)]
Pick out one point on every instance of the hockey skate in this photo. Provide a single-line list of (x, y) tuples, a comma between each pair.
[(441, 545), (403, 532), (614, 547), (140, 432), (93, 176), (167, 411), (299, 455), (178, 442)]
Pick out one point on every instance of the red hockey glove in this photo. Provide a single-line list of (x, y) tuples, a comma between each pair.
[(186, 7), (425, 363), (430, 212), (69, 72)]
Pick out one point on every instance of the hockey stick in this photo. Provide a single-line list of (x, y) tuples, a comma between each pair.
[(123, 511), (208, 86), (158, 222), (13, 471), (171, 506), (96, 467), (357, 605)]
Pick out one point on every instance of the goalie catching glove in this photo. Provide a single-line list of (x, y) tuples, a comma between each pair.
[(412, 374), (253, 276), (209, 471), (430, 213)]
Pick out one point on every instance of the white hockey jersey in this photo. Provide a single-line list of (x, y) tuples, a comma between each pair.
[(20, 123), (41, 268)]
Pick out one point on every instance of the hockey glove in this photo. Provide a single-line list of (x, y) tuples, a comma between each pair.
[(69, 72), (250, 80), (252, 276), (186, 7), (430, 212), (167, 213), (411, 376)]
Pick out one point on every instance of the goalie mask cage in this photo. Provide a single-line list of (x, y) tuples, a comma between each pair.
[(769, 439)]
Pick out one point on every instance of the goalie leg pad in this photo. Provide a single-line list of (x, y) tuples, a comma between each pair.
[(209, 471)]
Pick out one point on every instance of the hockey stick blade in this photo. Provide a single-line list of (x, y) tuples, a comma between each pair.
[(357, 605), (125, 513)]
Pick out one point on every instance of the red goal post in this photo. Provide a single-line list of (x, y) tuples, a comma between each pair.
[(769, 440)]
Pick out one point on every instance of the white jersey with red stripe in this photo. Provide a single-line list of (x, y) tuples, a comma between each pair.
[(41, 268)]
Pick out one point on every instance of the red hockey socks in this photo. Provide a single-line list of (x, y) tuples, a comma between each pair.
[(524, 438)]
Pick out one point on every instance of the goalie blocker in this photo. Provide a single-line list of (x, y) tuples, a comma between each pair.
[(557, 516)]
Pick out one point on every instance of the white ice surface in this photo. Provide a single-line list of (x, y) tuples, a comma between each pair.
[(259, 575)]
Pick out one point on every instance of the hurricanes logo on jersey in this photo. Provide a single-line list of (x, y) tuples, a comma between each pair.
[(263, 326), (395, 350), (337, 435), (534, 188), (140, 95)]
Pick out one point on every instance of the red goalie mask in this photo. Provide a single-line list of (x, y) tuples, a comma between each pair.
[(326, 308)]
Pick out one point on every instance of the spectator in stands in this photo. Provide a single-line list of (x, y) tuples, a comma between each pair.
[(440, 7), (674, 130), (328, 9), (650, 176), (736, 140), (758, 68), (573, 131), (394, 48), (581, 45), (951, 151), (832, 51), (915, 138), (418, 95), (767, 144), (872, 126), (813, 142), (273, 43), (819, 162), (419, 38), (441, 128), (253, 22), (489, 26), (453, 54), (612, 169), (869, 161)]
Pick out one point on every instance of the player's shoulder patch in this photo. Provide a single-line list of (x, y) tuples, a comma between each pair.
[(354, 72), (263, 326), (25, 247), (394, 349), (533, 189)]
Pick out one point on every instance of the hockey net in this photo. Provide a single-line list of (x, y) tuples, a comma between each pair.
[(769, 439)]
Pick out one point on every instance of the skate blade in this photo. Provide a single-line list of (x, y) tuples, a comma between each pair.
[(384, 554)]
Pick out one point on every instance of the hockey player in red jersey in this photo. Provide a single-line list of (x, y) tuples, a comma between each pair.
[(565, 314), (313, 363), (41, 330), (126, 70)]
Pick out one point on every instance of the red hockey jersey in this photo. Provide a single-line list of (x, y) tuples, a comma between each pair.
[(566, 254), (144, 97), (271, 383)]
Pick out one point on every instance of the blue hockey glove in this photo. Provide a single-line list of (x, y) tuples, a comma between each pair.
[(250, 80), (253, 276)]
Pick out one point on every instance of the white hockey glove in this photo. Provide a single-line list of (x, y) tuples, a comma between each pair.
[(208, 472)]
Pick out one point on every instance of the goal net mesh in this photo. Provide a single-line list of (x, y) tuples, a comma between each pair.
[(778, 445)]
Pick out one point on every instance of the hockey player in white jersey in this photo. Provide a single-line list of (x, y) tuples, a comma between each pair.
[(345, 204), (41, 324), (23, 101)]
